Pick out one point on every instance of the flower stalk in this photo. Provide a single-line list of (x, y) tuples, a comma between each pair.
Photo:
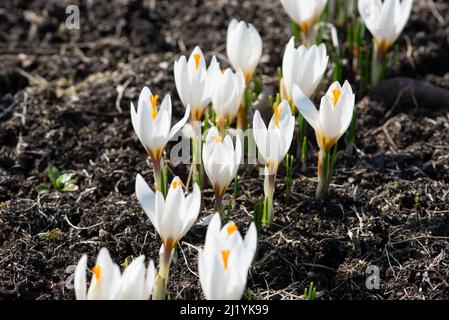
[(161, 280), (158, 167), (219, 204), (302, 139), (324, 167), (196, 153), (267, 217), (376, 65)]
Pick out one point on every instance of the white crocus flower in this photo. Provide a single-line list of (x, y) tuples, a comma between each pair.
[(171, 217), (226, 89), (244, 47), (329, 123), (224, 262), (334, 116), (221, 162), (107, 283), (273, 144), (305, 13), (191, 82), (152, 126), (385, 20), (304, 67)]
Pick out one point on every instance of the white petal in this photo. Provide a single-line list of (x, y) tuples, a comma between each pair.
[(146, 198), (80, 279), (180, 124), (260, 134), (149, 280), (306, 107)]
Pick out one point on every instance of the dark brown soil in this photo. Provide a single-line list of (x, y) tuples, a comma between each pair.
[(389, 203)]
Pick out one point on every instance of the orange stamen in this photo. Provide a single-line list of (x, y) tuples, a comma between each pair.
[(176, 183), (97, 271), (197, 57), (336, 93), (231, 229), (277, 113), (225, 256), (153, 100)]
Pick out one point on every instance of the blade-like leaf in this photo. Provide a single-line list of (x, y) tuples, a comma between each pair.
[(53, 174)]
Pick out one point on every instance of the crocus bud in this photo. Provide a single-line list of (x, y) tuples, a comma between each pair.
[(244, 47)]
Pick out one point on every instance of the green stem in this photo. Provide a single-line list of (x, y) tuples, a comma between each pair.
[(196, 153), (323, 174), (157, 174), (301, 151), (219, 205), (376, 66), (160, 284), (267, 217)]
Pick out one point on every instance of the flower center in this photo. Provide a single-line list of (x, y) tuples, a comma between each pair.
[(97, 271), (336, 93), (277, 113), (153, 100), (218, 139), (176, 183), (225, 257), (197, 57), (305, 27), (231, 229)]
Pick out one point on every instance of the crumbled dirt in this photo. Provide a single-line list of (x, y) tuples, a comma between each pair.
[(389, 203)]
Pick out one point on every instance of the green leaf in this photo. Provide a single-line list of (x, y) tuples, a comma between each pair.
[(236, 187), (64, 179), (257, 86), (53, 174), (295, 30), (43, 187), (258, 214)]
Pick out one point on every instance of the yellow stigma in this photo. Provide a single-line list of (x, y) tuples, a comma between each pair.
[(223, 71), (97, 271), (277, 113), (197, 57), (336, 93), (176, 183), (218, 139), (225, 257), (153, 100), (231, 229)]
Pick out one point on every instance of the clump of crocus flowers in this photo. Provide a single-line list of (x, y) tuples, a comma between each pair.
[(213, 99)]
